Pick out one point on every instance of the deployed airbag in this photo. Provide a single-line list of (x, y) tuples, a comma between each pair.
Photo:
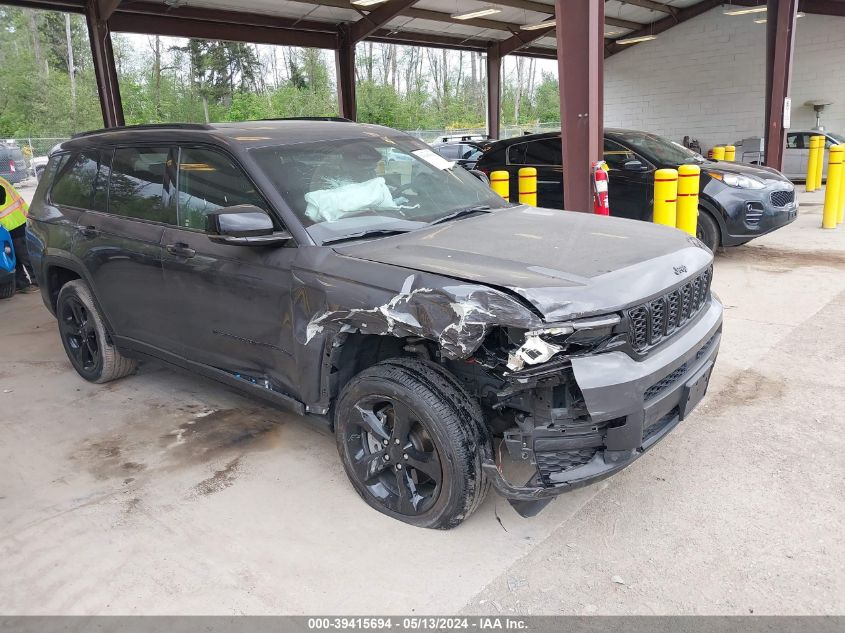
[(330, 205)]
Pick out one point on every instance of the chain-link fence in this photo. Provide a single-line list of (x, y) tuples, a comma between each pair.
[(34, 148)]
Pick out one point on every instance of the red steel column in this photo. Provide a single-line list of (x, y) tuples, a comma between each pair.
[(580, 58), (780, 42), (494, 91), (104, 67), (345, 68)]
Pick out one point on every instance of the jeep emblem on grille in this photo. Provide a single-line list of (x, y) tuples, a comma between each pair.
[(679, 270)]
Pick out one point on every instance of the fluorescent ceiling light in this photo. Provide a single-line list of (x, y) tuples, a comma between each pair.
[(477, 13), (746, 10), (612, 33), (763, 20), (537, 27), (366, 3), (635, 40)]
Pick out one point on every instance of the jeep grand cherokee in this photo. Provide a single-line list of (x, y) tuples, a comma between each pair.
[(399, 304)]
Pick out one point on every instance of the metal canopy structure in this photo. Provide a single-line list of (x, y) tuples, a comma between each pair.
[(592, 30)]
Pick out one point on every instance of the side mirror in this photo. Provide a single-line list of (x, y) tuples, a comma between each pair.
[(634, 165), (480, 175), (244, 225)]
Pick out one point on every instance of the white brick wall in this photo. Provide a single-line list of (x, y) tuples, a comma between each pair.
[(715, 88)]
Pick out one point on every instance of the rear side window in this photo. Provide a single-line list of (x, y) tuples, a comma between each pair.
[(74, 183), (209, 181), (139, 182), (451, 152), (542, 152)]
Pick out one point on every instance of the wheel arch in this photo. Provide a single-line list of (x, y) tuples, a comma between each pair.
[(58, 271), (710, 207)]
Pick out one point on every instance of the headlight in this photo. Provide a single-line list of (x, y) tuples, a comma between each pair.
[(737, 180)]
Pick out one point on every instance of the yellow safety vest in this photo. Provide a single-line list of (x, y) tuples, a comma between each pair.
[(14, 210)]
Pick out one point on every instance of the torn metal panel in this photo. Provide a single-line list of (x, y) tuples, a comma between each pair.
[(456, 317)]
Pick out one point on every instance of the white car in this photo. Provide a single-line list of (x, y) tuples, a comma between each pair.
[(37, 165), (798, 149)]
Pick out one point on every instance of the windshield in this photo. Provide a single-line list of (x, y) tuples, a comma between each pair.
[(659, 150), (381, 184)]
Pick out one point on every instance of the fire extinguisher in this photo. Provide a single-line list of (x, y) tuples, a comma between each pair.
[(601, 202)]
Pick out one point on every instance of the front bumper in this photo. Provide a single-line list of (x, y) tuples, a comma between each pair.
[(749, 214), (635, 402)]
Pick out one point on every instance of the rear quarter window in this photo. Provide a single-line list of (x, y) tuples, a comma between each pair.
[(74, 184)]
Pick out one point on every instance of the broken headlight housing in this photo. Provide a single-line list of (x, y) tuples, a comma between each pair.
[(578, 336)]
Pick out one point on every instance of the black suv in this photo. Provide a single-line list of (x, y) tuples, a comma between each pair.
[(737, 202), (399, 304)]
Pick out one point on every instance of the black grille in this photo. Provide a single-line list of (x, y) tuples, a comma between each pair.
[(664, 383), (669, 380), (782, 198), (559, 461), (652, 322)]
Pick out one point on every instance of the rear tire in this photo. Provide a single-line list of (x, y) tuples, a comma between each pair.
[(412, 442), (708, 230), (83, 333), (7, 290)]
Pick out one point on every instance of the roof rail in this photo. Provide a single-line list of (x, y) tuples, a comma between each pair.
[(338, 119), (148, 126)]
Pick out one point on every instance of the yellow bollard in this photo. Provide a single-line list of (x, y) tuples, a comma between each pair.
[(812, 157), (500, 182), (528, 186), (665, 196), (841, 204), (831, 192), (719, 153), (819, 161), (687, 210), (730, 152)]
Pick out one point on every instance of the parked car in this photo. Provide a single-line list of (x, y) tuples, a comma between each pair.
[(465, 150), (12, 163), (413, 313), (7, 264), (37, 165), (797, 151), (737, 202)]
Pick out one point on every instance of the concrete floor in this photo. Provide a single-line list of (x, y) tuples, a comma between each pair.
[(165, 493)]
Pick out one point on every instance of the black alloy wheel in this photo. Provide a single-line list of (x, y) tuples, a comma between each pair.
[(412, 442), (79, 334), (393, 455)]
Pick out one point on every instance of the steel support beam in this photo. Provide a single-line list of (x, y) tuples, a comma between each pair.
[(580, 41), (780, 42), (665, 24), (653, 6), (344, 57), (377, 18), (213, 30), (522, 39), (104, 67), (105, 8), (494, 91)]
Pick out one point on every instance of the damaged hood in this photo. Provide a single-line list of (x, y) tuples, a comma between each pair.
[(563, 263)]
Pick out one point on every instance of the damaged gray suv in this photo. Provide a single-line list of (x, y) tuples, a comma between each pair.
[(349, 273)]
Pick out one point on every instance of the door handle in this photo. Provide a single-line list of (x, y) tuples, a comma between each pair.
[(89, 231), (180, 249)]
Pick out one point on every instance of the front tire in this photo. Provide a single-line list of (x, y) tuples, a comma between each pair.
[(83, 333), (708, 231), (412, 442)]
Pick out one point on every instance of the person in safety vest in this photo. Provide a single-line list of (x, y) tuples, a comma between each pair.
[(13, 212)]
